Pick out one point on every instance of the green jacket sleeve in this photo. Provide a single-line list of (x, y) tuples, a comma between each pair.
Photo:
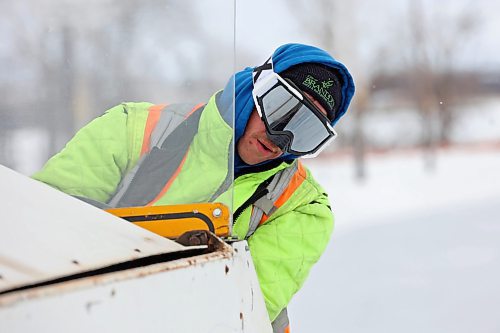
[(285, 249), (93, 162)]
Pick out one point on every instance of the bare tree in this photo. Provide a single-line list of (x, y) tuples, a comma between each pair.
[(326, 21), (422, 80), (450, 41), (434, 50)]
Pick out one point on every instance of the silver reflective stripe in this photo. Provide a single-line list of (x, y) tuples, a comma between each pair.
[(281, 322), (170, 118), (124, 184), (265, 205)]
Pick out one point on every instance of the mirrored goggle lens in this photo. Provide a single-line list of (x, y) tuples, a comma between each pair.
[(285, 112), (278, 104), (308, 131)]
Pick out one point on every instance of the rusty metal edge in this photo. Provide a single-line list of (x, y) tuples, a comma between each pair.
[(221, 250)]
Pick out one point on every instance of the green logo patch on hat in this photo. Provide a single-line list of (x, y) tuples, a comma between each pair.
[(320, 81), (320, 88)]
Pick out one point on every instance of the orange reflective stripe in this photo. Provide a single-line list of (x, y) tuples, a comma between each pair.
[(196, 107), (170, 181), (297, 179), (179, 168), (287, 329), (153, 117)]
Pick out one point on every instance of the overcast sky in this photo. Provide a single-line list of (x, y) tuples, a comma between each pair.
[(262, 25)]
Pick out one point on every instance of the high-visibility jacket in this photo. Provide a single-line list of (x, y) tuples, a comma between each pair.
[(285, 239)]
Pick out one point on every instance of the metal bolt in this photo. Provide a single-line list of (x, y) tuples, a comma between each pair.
[(217, 212)]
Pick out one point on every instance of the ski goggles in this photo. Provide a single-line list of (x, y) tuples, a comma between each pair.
[(292, 121)]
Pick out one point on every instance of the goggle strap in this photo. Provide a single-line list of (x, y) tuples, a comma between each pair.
[(265, 69)]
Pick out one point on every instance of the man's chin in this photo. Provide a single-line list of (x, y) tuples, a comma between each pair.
[(253, 161)]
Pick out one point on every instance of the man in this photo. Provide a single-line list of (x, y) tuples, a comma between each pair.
[(141, 154)]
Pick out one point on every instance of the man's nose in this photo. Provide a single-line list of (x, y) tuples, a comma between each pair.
[(280, 140)]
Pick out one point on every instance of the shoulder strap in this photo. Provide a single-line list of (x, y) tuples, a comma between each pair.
[(283, 184), (169, 145), (281, 324)]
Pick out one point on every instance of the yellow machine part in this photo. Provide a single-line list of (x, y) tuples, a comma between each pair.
[(173, 220)]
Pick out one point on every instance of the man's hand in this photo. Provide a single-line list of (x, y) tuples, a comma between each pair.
[(194, 238)]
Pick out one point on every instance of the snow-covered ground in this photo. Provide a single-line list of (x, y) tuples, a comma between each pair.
[(412, 251)]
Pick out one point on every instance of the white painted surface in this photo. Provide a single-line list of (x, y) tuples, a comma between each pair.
[(47, 234), (217, 292)]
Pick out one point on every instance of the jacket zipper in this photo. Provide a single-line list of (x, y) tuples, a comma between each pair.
[(259, 193)]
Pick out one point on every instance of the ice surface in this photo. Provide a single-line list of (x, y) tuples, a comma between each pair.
[(412, 251)]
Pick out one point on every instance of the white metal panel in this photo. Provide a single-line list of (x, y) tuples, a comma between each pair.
[(47, 234), (216, 292)]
